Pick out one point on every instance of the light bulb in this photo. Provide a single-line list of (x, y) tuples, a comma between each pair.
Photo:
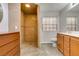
[(27, 5)]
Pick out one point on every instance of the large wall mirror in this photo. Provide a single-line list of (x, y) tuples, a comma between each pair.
[(1, 12), (73, 18)]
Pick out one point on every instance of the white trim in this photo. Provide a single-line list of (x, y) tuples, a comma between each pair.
[(45, 42)]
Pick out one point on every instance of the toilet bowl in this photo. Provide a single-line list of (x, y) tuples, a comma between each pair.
[(53, 42)]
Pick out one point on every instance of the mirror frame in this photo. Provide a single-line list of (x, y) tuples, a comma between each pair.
[(1, 13)]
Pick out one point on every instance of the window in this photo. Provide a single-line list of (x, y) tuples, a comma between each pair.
[(49, 23), (71, 23)]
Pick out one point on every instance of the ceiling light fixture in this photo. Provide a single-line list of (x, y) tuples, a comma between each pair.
[(27, 5)]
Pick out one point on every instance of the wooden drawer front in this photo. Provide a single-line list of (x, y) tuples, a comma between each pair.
[(66, 41), (66, 38), (74, 47), (66, 45), (13, 52), (6, 48), (8, 38), (14, 36)]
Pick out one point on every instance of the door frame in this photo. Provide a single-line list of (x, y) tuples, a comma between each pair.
[(38, 21), (38, 24)]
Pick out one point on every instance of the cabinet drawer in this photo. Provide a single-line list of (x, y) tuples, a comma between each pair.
[(13, 52), (6, 39), (66, 38), (66, 44), (14, 35), (6, 48)]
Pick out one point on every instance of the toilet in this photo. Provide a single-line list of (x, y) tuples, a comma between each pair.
[(53, 42)]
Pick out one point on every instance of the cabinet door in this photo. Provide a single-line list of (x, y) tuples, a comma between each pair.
[(60, 42), (74, 46), (66, 45)]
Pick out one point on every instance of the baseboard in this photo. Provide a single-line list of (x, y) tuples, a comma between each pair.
[(45, 42)]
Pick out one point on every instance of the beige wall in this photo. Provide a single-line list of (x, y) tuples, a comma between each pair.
[(22, 27), (14, 17), (11, 17)]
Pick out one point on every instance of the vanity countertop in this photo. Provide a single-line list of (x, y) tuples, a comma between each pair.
[(75, 34), (6, 33)]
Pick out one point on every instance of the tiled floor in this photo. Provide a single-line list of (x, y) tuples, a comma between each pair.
[(45, 50)]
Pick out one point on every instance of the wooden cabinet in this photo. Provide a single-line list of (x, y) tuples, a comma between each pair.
[(10, 44), (60, 42), (66, 45), (74, 46)]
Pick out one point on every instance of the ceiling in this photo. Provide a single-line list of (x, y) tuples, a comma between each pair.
[(76, 8), (43, 7), (30, 10), (52, 6)]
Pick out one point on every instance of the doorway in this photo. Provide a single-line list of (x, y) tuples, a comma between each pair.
[(29, 25)]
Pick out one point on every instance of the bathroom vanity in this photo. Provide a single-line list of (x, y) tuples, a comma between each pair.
[(68, 43), (9, 44)]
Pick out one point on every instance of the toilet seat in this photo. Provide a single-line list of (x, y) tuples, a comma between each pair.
[(53, 41)]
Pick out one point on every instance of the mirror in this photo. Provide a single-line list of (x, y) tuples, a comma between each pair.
[(75, 8), (73, 18), (1, 12)]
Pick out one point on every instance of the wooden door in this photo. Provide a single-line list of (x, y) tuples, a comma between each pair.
[(30, 28), (66, 45), (74, 46)]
